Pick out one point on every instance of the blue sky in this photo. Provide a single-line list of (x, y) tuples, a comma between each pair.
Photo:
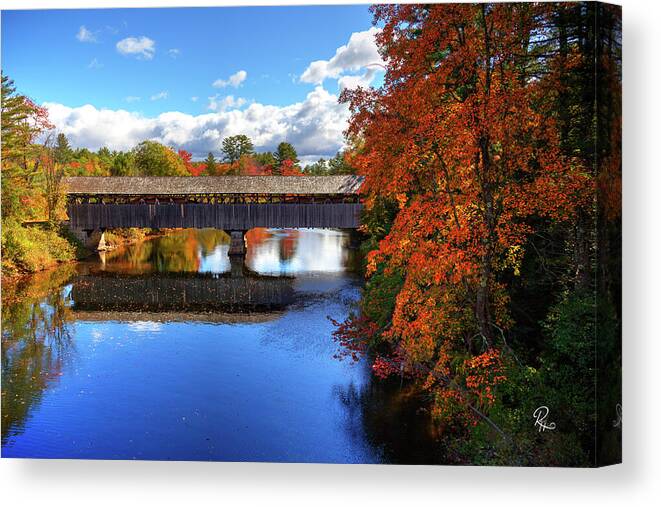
[(208, 71)]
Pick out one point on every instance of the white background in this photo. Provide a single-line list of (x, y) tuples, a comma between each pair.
[(636, 482)]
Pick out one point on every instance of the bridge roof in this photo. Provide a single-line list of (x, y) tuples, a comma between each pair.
[(191, 185)]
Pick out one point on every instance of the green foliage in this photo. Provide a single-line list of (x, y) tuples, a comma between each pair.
[(210, 165), (339, 165), (335, 165), (378, 302), (284, 152), (567, 371), (377, 222), (318, 168), (265, 159), (234, 147), (31, 249), (154, 159), (564, 382), (22, 121), (62, 151), (14, 192), (122, 164)]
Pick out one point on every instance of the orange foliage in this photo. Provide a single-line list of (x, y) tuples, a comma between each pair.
[(456, 137)]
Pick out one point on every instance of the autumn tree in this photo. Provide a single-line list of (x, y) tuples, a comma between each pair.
[(234, 147), (457, 139), (154, 159), (22, 122)]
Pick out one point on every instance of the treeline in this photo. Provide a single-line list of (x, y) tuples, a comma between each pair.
[(151, 158), (492, 159)]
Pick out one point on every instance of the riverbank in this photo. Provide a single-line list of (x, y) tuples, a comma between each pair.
[(34, 248)]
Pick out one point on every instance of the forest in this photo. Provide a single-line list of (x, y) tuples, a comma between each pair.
[(492, 223)]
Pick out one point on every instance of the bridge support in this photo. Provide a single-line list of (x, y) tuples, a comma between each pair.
[(94, 239), (237, 243)]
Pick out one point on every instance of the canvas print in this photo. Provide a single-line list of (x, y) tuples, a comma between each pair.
[(384, 234)]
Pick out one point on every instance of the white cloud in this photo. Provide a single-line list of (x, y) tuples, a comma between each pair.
[(132, 98), (355, 81), (358, 54), (141, 47), (95, 64), (85, 35), (314, 126), (223, 104), (143, 326), (195, 99), (234, 80), (174, 52), (159, 96)]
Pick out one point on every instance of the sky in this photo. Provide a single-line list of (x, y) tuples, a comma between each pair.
[(188, 77)]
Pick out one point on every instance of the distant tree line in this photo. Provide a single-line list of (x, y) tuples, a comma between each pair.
[(151, 158)]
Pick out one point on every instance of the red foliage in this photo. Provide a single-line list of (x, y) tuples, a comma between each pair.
[(194, 168), (353, 336), (457, 138), (288, 168)]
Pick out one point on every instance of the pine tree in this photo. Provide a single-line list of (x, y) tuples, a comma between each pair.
[(62, 152), (234, 147), (210, 166)]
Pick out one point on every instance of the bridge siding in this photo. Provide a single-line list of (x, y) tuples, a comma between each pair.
[(218, 216)]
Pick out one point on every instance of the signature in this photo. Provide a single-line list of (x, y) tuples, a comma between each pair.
[(541, 414), (618, 411)]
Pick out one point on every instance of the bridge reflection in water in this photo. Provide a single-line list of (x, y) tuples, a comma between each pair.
[(237, 296)]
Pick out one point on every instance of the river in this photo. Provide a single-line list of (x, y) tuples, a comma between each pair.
[(166, 350)]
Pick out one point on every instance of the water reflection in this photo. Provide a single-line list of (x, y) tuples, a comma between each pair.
[(36, 343), (180, 296), (168, 350)]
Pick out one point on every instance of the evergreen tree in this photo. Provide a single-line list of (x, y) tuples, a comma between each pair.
[(210, 166), (284, 152), (339, 165), (318, 168), (234, 147), (62, 152), (265, 159)]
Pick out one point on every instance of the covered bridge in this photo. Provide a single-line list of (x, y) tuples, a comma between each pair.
[(232, 203)]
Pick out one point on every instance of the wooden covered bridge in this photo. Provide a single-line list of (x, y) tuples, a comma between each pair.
[(232, 203)]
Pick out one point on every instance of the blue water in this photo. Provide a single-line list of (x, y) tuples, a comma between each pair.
[(152, 378)]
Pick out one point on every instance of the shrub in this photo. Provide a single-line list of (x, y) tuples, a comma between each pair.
[(31, 249)]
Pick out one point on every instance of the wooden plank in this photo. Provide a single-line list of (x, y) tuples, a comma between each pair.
[(219, 216)]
